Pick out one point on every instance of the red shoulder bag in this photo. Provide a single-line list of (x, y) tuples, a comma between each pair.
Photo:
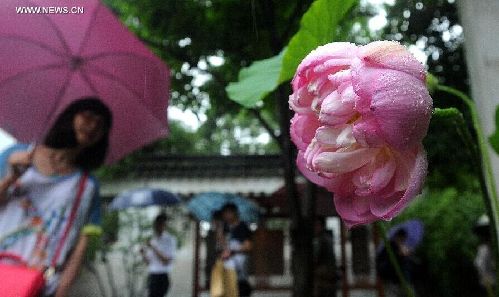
[(19, 280)]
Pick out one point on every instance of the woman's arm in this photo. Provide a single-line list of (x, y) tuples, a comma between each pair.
[(5, 184), (72, 267)]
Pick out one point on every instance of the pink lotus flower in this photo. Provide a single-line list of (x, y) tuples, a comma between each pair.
[(361, 115)]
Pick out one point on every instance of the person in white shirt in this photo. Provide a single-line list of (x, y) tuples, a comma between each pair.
[(159, 254)]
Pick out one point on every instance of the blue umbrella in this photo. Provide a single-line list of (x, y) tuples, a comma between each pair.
[(203, 205), (143, 197), (414, 229)]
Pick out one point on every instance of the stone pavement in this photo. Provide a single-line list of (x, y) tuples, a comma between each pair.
[(181, 278)]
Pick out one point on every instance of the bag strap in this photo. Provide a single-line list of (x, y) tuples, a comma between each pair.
[(72, 217), (13, 257)]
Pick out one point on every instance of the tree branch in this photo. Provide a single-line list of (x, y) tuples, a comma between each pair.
[(296, 13), (267, 126)]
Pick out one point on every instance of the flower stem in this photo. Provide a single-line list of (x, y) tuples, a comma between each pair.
[(486, 173), (393, 261)]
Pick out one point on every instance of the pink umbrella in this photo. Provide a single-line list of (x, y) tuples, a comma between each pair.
[(49, 59)]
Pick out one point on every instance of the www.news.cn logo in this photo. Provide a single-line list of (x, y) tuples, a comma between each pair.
[(49, 10)]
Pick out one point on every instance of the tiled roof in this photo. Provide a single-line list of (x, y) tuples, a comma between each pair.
[(188, 175), (164, 166)]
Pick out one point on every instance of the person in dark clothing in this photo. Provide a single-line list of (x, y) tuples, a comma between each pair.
[(385, 269), (324, 261), (239, 244)]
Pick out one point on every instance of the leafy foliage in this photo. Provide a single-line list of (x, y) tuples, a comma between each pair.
[(110, 226), (432, 25), (256, 81), (318, 26), (449, 245), (205, 43), (494, 138), (190, 34), (453, 200), (447, 113), (451, 159), (449, 209)]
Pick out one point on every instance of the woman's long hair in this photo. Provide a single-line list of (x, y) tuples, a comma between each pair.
[(63, 136)]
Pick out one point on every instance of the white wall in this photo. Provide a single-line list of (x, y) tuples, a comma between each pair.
[(480, 20)]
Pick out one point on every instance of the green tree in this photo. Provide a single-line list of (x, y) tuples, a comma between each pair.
[(189, 34), (449, 243), (433, 25), (205, 43)]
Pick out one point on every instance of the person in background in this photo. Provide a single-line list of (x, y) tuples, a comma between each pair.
[(38, 189), (159, 255), (385, 269), (239, 244), (484, 260), (324, 261)]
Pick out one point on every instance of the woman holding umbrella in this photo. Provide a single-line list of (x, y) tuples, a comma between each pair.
[(47, 201)]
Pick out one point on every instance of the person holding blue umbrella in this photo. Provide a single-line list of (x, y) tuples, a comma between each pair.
[(239, 244), (159, 255)]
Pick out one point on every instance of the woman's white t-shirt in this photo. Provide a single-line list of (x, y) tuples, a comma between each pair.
[(33, 220)]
